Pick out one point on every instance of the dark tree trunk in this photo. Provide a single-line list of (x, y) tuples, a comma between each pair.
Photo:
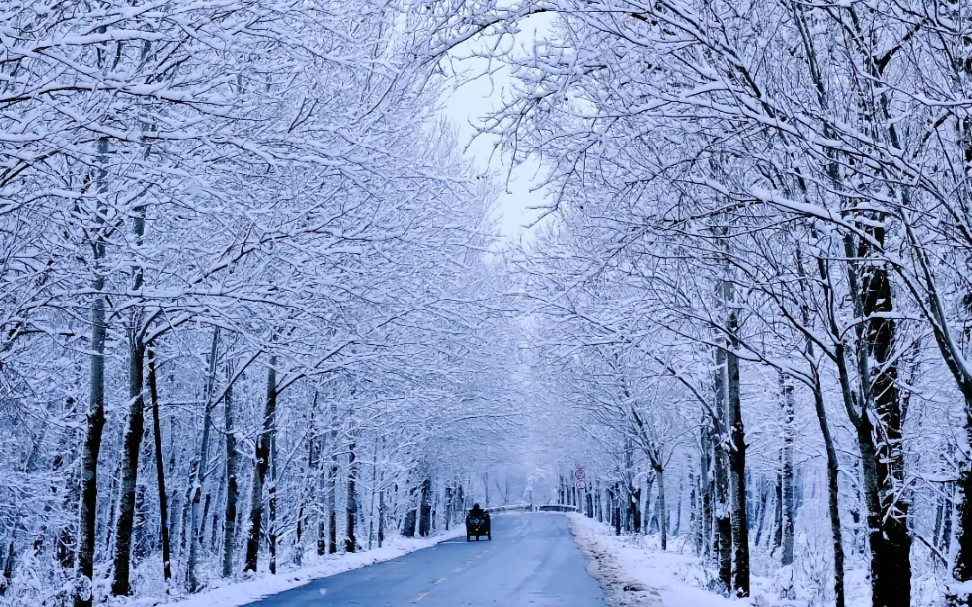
[(599, 502), (616, 507), (737, 468), (948, 512), (410, 523), (833, 501), (351, 542), (8, 567), (120, 585), (260, 467), (661, 507), (159, 468), (425, 508), (778, 512), (381, 518), (197, 519), (332, 474), (723, 521), (695, 517), (761, 512), (677, 531), (882, 449), (705, 496), (448, 506), (272, 501), (962, 571), (232, 470), (272, 525), (649, 520), (786, 462), (88, 513)]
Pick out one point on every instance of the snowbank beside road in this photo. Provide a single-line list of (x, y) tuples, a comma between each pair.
[(635, 576), (235, 594)]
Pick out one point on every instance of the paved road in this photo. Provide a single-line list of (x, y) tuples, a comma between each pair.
[(532, 561)]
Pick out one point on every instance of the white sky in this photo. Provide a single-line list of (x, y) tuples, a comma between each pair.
[(467, 104)]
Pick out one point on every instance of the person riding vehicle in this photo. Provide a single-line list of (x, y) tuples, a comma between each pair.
[(477, 524)]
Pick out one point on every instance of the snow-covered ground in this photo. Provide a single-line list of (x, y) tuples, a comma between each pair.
[(636, 574), (237, 593)]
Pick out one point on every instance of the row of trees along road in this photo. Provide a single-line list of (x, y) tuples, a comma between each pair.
[(763, 229), (243, 289)]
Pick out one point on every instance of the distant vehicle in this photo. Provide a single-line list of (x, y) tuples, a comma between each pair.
[(477, 524)]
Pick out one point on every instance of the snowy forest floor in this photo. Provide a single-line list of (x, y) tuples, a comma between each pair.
[(236, 593), (634, 571)]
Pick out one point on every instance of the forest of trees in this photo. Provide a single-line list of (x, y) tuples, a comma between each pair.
[(752, 286), (253, 309), (245, 294)]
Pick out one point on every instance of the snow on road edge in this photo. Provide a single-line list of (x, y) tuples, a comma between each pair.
[(633, 576), (236, 594)]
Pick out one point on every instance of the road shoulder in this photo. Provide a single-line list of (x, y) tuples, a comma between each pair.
[(238, 593), (636, 576)]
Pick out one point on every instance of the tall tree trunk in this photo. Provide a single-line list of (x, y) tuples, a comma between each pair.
[(662, 509), (705, 494), (788, 510), (84, 582), (723, 521), (232, 467), (260, 467), (272, 503), (120, 585), (778, 511), (890, 547), (448, 505), (195, 519), (761, 516), (737, 467), (948, 507), (351, 542), (381, 518), (425, 508), (159, 468), (634, 509), (880, 430), (677, 531), (833, 501), (332, 474)]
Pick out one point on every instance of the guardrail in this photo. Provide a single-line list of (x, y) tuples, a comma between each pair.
[(510, 508), (532, 508)]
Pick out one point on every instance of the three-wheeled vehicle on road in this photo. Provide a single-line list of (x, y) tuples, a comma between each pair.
[(477, 524)]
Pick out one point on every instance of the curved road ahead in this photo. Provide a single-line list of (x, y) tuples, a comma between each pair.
[(532, 561)]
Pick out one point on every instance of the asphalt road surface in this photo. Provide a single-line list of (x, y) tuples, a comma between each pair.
[(532, 561)]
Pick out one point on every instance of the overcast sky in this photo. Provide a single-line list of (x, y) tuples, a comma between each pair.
[(467, 104)]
